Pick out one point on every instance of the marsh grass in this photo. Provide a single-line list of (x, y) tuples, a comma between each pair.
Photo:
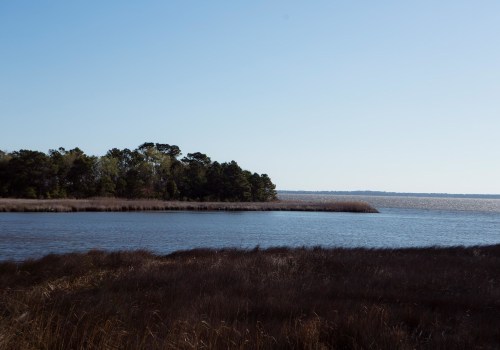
[(117, 204), (267, 299)]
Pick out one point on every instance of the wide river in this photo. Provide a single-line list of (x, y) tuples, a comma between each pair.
[(32, 235)]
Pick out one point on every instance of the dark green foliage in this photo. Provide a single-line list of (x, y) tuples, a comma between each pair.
[(235, 182), (4, 161), (29, 174), (152, 170)]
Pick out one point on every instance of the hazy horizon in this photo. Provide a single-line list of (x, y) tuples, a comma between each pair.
[(386, 96), (375, 192)]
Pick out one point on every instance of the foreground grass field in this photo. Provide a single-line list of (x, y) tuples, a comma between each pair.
[(119, 204), (266, 299)]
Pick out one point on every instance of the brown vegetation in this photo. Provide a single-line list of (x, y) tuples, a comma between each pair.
[(117, 204), (276, 298)]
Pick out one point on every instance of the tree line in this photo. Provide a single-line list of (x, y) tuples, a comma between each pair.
[(152, 170)]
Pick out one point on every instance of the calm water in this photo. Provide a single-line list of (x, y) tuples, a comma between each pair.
[(24, 235), (407, 202)]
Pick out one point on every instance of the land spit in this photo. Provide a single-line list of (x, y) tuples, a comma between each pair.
[(117, 204), (254, 299)]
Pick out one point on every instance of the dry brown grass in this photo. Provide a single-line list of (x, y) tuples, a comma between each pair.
[(117, 204), (268, 299)]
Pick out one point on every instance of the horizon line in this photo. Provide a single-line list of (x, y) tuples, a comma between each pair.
[(392, 192)]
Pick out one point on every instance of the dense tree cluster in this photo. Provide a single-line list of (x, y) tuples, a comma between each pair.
[(152, 170)]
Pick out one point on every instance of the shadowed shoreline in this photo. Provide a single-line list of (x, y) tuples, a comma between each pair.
[(305, 298), (117, 205)]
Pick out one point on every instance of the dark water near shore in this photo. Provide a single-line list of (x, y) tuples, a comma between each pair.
[(25, 235)]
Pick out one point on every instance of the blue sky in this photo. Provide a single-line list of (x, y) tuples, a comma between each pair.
[(320, 95)]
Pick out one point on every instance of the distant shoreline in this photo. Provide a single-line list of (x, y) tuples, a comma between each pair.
[(119, 205), (392, 194)]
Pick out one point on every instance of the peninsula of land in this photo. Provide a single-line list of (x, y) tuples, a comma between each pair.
[(117, 205)]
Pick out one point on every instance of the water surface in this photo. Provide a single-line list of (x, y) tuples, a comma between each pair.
[(31, 235), (406, 202)]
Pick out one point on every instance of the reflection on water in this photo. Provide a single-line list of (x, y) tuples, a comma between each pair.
[(24, 235)]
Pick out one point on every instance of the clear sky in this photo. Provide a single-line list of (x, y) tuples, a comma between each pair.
[(320, 95)]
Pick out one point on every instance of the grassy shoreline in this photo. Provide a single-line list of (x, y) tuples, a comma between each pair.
[(117, 204), (427, 298)]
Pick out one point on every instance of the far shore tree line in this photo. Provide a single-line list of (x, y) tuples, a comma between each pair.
[(152, 170)]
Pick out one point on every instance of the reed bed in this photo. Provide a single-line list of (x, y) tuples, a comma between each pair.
[(254, 299), (116, 204)]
